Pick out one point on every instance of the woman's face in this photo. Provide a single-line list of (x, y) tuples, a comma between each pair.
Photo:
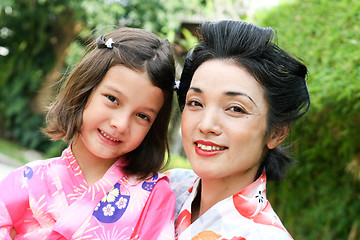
[(224, 123)]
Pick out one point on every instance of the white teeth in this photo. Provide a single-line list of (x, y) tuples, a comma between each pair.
[(209, 148), (104, 134)]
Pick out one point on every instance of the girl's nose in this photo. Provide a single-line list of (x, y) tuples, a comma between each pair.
[(121, 123)]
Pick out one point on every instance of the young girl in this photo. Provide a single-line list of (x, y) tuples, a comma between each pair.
[(115, 108)]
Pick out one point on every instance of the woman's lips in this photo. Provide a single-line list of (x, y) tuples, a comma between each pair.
[(206, 148)]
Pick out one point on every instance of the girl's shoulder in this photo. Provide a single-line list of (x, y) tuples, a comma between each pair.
[(65, 160), (34, 166), (43, 162), (38, 166)]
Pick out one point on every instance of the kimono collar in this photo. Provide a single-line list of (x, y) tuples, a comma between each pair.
[(250, 201), (69, 155)]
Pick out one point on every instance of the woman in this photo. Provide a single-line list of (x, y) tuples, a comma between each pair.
[(239, 93)]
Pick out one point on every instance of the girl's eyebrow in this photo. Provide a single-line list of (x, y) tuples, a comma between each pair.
[(113, 89), (120, 93)]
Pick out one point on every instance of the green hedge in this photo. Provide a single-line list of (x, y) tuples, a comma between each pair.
[(320, 198), (22, 71)]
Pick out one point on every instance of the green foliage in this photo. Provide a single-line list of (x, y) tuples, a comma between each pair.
[(319, 199), (177, 161), (21, 71), (189, 40)]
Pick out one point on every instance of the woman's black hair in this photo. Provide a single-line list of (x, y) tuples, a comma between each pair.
[(282, 76)]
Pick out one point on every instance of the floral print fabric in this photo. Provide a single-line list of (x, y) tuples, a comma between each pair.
[(51, 200), (246, 215)]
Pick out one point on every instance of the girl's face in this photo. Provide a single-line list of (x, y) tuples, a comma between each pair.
[(119, 114), (224, 123)]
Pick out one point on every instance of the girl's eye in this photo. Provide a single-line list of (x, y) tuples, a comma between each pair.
[(112, 99), (143, 116)]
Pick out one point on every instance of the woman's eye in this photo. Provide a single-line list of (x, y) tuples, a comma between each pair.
[(192, 103), (143, 116), (237, 109), (112, 99)]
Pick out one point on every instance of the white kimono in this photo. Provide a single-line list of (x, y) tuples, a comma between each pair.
[(245, 215)]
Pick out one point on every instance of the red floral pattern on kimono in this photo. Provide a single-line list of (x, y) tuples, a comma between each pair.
[(51, 200), (246, 215)]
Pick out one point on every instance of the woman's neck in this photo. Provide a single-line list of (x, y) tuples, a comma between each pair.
[(210, 192)]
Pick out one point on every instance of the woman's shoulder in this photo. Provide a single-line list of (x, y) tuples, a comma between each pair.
[(269, 233), (180, 177), (181, 180)]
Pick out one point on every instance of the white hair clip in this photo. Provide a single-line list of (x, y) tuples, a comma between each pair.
[(177, 85), (109, 43)]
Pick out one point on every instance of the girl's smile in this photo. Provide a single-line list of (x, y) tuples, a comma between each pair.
[(107, 138), (118, 115)]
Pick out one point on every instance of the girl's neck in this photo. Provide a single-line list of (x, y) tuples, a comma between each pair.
[(92, 167)]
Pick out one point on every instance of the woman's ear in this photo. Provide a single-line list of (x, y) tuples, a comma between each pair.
[(277, 136)]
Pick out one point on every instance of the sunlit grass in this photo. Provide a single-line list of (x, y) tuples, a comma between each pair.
[(12, 150), (17, 153)]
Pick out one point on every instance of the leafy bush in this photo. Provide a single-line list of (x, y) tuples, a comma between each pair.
[(320, 197), (177, 161), (22, 71)]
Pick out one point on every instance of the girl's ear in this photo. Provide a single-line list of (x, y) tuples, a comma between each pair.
[(277, 136)]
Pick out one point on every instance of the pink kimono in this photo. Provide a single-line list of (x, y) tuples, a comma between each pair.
[(51, 200), (246, 215)]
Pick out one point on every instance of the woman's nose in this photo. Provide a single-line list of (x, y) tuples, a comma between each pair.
[(209, 122)]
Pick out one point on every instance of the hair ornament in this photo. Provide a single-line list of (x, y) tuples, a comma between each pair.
[(109, 43), (176, 85), (103, 43)]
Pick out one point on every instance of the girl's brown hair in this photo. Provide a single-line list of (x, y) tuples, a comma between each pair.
[(136, 49)]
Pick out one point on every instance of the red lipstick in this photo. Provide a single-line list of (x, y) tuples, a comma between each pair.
[(207, 148)]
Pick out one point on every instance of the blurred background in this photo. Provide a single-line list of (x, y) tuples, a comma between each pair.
[(41, 40)]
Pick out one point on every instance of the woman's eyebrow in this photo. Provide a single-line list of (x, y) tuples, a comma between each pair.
[(230, 93), (195, 89)]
